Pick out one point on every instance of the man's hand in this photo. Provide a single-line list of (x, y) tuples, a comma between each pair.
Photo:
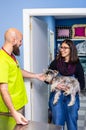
[(41, 77), (19, 118)]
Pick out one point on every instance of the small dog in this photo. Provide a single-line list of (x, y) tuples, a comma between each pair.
[(52, 77)]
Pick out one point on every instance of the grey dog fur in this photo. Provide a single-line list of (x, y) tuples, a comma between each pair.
[(52, 77)]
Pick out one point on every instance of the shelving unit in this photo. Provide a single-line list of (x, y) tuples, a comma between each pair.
[(72, 39), (76, 41)]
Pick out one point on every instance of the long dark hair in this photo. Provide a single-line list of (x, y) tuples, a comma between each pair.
[(71, 65), (73, 51)]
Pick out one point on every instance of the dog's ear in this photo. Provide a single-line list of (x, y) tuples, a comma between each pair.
[(45, 70), (49, 70), (56, 72)]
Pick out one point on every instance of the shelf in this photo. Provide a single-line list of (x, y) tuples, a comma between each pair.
[(82, 55), (72, 39)]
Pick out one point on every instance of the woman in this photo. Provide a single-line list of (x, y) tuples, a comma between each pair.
[(68, 64)]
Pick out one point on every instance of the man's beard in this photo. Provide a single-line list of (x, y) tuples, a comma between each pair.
[(16, 50)]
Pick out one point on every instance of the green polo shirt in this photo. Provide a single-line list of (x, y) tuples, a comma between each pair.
[(10, 73)]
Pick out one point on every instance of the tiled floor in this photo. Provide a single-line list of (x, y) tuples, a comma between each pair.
[(82, 112)]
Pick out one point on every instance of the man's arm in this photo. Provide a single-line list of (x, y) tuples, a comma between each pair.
[(19, 118), (27, 74)]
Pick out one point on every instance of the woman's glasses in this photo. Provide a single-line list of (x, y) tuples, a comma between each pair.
[(64, 48)]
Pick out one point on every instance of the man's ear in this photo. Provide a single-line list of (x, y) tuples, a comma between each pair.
[(14, 41)]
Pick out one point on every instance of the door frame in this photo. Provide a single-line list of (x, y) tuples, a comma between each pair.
[(27, 13)]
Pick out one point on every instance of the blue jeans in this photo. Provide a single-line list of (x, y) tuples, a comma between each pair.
[(62, 113)]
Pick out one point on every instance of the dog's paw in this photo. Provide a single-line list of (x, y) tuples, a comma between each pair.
[(71, 104), (52, 90), (54, 102), (65, 93)]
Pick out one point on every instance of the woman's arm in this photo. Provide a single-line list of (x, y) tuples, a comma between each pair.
[(79, 74), (53, 65)]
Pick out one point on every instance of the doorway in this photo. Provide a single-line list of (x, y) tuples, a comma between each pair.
[(27, 14)]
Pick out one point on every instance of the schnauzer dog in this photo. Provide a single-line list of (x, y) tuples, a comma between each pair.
[(52, 77)]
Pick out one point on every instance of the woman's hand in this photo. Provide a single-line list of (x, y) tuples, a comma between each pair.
[(63, 87)]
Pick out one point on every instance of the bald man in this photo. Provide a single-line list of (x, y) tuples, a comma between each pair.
[(12, 89)]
